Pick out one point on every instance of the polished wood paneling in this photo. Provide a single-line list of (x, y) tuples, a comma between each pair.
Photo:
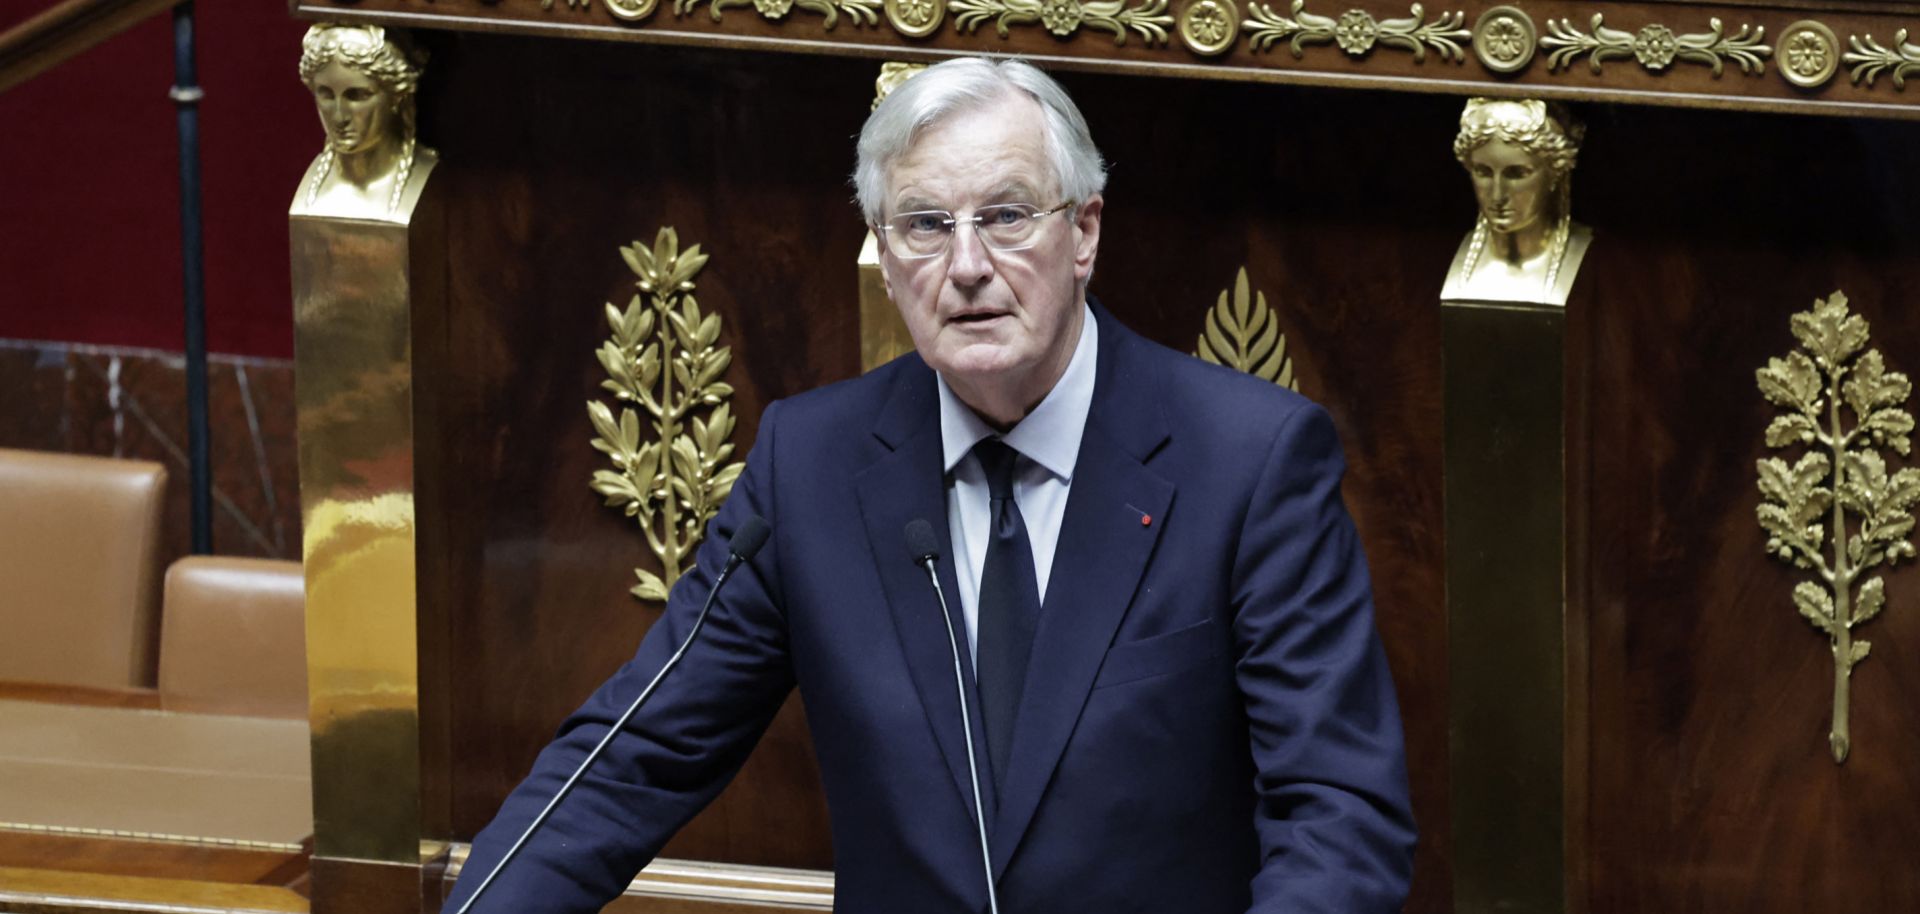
[(747, 162), (1711, 788), (39, 850), (1705, 698), (28, 891), (343, 886)]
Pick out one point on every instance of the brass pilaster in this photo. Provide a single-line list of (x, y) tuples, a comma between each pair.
[(1506, 600), (353, 282), (367, 264)]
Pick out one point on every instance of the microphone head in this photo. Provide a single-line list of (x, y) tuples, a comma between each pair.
[(921, 542), (750, 537)]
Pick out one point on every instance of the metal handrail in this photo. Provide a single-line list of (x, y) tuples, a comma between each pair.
[(58, 34), (64, 30)]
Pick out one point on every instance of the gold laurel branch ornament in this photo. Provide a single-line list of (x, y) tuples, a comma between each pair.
[(1357, 32), (1149, 19), (1655, 46), (664, 357), (1840, 476), (1870, 59), (1243, 333), (862, 12)]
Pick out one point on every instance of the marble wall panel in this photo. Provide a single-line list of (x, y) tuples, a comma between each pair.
[(125, 402)]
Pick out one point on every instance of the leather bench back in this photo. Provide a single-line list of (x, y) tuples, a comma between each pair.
[(234, 637), (79, 568)]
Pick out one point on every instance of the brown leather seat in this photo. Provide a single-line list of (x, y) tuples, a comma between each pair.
[(234, 637), (79, 568)]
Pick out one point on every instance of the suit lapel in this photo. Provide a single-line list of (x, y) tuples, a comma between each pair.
[(908, 484), (1102, 552)]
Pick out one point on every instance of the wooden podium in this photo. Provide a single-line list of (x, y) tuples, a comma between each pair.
[(1724, 197)]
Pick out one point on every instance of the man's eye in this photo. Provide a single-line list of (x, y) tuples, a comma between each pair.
[(1005, 216), (925, 222)]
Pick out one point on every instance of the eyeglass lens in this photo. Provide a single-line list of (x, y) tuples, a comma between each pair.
[(1004, 227)]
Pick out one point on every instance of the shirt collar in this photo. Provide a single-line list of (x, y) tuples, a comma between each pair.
[(1048, 436)]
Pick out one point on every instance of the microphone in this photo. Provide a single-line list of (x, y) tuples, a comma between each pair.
[(746, 541), (925, 550)]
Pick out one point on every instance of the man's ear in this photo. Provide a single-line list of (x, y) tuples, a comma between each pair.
[(1086, 235)]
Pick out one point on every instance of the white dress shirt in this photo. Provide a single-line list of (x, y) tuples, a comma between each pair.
[(1048, 441)]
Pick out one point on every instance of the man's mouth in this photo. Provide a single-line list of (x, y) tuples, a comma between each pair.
[(977, 317)]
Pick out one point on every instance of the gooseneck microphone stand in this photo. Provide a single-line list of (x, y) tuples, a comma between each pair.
[(926, 551), (746, 541)]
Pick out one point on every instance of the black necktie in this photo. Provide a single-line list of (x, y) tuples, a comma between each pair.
[(1009, 606)]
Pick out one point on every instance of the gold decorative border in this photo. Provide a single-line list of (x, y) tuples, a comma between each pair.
[(1655, 46), (1228, 40)]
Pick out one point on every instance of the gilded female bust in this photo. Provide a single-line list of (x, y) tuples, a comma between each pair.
[(363, 83), (1525, 246)]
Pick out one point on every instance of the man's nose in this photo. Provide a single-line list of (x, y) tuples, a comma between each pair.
[(968, 263)]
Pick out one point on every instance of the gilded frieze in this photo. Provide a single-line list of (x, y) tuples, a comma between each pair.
[(1870, 59), (1837, 511), (1655, 46), (1356, 31), (664, 357), (1243, 333), (1148, 18)]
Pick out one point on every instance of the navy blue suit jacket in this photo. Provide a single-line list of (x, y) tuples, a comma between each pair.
[(1208, 724)]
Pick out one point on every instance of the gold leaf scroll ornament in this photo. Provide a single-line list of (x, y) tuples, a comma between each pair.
[(1244, 334), (1148, 18), (663, 357), (1357, 32), (1655, 46), (1841, 476)]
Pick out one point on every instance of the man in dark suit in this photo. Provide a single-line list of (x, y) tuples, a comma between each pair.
[(1178, 700)]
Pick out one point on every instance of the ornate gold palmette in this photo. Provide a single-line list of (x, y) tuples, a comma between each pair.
[(1243, 333)]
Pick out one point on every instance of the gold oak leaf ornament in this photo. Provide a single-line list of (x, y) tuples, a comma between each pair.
[(1243, 333), (1841, 477), (662, 357)]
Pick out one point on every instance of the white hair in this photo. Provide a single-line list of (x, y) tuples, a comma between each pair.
[(962, 84)]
